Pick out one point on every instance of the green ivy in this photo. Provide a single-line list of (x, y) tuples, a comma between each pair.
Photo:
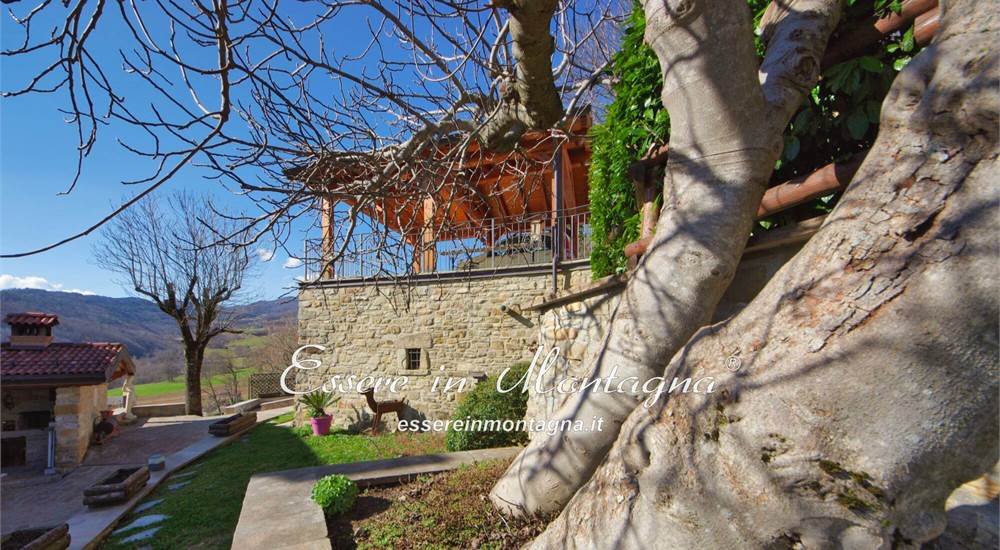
[(635, 120), (839, 119)]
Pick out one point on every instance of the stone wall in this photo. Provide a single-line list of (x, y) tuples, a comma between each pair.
[(159, 409), (75, 411), (578, 328), (456, 326)]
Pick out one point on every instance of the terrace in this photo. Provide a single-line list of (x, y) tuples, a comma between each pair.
[(475, 214)]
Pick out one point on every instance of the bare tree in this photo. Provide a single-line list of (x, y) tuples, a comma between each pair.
[(222, 379), (166, 251), (280, 343)]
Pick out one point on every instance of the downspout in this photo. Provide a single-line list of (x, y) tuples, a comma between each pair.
[(557, 227), (50, 458)]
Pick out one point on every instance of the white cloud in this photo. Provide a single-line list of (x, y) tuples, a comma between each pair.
[(292, 263), (11, 281), (265, 255)]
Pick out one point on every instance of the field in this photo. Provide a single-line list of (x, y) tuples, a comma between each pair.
[(233, 349), (154, 389)]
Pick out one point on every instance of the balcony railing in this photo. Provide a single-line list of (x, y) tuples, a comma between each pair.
[(492, 244)]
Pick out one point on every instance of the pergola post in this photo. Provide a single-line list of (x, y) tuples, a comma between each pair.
[(327, 246), (428, 257)]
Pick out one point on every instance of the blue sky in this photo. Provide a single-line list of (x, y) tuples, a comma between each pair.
[(37, 163)]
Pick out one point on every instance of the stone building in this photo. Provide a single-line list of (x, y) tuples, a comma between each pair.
[(52, 393), (452, 303)]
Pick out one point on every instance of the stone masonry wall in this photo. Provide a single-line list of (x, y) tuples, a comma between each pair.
[(457, 326)]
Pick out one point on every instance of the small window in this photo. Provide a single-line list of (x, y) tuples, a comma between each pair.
[(412, 358)]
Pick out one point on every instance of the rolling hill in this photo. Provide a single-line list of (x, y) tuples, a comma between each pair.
[(137, 323)]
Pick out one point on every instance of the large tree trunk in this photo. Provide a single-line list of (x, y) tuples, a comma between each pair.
[(869, 386), (726, 124), (194, 357)]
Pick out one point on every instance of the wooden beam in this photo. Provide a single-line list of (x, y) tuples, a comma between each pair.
[(568, 181), (829, 179)]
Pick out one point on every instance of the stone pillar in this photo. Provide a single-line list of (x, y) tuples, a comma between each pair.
[(75, 412), (128, 392)]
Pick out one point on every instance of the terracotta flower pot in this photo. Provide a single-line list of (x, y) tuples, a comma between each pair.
[(321, 424)]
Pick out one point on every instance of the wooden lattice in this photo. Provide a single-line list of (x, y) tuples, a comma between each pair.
[(268, 384)]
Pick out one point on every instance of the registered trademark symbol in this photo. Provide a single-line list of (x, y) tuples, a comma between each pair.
[(733, 363)]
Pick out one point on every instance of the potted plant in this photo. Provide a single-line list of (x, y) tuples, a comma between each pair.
[(317, 402)]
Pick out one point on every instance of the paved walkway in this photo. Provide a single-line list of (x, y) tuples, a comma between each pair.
[(163, 435), (278, 512), (45, 500)]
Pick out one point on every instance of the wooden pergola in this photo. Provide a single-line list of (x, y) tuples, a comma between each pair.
[(545, 175)]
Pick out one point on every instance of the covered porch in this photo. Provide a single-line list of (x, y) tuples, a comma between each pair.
[(495, 212)]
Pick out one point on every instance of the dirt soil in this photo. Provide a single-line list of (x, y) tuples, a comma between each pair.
[(449, 510)]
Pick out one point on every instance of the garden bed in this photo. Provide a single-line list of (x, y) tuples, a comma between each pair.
[(233, 424), (116, 488), (448, 510)]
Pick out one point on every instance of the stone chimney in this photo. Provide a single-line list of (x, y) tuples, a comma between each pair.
[(31, 330)]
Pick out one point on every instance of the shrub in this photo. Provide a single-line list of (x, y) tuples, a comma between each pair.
[(335, 494), (484, 402), (317, 402)]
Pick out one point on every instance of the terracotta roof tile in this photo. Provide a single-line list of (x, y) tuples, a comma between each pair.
[(90, 359), (32, 318)]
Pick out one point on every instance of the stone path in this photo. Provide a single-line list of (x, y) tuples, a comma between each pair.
[(147, 505), (141, 535), (49, 501), (143, 521), (279, 514)]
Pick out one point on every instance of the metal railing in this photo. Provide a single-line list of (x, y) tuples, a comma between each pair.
[(490, 244)]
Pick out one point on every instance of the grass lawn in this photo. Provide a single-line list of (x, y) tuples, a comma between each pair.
[(204, 513), (153, 389)]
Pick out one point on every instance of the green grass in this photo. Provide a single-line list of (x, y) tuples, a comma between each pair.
[(284, 417), (154, 389), (204, 513)]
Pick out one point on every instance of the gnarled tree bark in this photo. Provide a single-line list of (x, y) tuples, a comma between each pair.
[(869, 387), (726, 123), (531, 100)]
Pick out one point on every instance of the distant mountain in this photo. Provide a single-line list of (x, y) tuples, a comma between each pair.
[(137, 323)]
